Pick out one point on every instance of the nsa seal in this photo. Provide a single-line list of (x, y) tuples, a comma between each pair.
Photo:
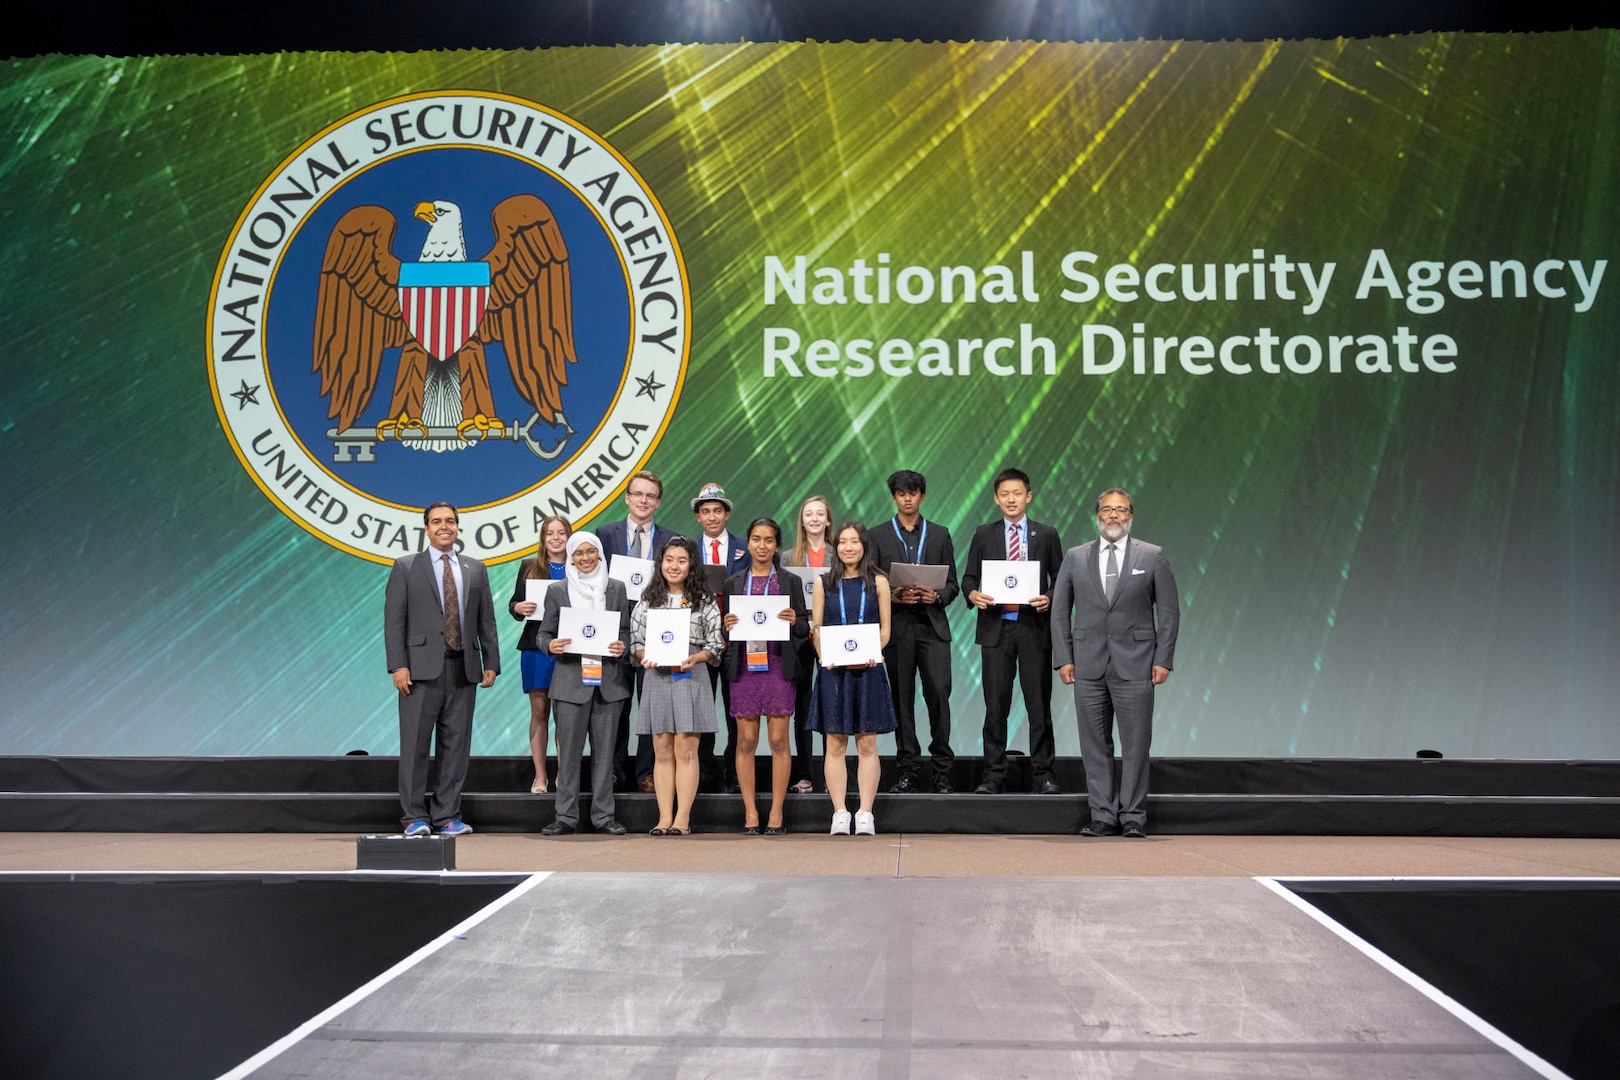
[(454, 295)]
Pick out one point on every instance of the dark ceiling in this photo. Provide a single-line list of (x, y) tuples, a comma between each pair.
[(130, 27)]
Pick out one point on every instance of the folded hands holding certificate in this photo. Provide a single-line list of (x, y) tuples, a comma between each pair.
[(859, 645), (759, 618), (588, 632), (669, 639), (1007, 582)]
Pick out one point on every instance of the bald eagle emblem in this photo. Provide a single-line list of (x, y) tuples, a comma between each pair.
[(455, 295), (440, 311)]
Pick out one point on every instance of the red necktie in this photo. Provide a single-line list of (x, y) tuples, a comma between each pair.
[(714, 552)]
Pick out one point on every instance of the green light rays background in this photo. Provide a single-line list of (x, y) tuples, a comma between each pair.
[(1369, 563)]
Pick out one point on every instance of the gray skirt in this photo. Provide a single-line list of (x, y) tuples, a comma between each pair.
[(667, 706)]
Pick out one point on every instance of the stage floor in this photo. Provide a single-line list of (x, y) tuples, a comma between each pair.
[(886, 855), (748, 975)]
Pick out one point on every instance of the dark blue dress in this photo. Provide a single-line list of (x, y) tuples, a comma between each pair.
[(851, 701), (537, 665)]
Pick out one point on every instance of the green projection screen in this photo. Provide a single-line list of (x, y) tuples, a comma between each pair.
[(1339, 314)]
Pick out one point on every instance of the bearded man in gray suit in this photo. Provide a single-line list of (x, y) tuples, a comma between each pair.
[(439, 632), (1114, 619)]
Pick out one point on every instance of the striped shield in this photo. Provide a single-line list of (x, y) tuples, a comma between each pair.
[(443, 303)]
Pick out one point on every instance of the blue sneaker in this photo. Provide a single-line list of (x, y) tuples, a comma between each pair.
[(455, 827), (418, 828)]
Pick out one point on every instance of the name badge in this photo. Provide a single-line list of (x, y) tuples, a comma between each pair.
[(759, 659), (590, 670)]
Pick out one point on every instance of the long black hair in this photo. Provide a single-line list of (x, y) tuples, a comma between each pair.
[(776, 556), (867, 568), (696, 587)]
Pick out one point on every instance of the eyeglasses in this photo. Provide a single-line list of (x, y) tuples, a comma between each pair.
[(1114, 511), (643, 496)]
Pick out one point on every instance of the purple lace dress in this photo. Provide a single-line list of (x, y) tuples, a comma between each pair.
[(768, 692)]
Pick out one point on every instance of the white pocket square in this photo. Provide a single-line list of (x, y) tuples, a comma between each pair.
[(1135, 572)]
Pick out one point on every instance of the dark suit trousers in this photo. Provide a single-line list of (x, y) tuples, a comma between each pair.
[(804, 740), (573, 721), (444, 707), (707, 761), (1019, 654), (1098, 703), (914, 649), (621, 741)]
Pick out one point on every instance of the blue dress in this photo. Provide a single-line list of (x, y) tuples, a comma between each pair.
[(851, 701), (537, 665)]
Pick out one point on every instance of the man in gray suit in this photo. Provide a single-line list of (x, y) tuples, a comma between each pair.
[(1118, 645), (439, 631)]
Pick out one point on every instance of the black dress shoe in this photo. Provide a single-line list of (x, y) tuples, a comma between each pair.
[(988, 787), (1134, 831), (557, 828), (904, 786), (942, 785), (612, 828), (1048, 786), (750, 830), (1098, 828), (774, 830)]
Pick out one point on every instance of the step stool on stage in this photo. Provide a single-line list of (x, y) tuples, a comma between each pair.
[(406, 853)]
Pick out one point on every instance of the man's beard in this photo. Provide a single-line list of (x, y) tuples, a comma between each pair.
[(1114, 533)]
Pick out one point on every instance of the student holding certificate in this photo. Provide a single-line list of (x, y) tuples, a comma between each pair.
[(589, 682), (851, 698), (675, 628), (762, 669), (1011, 565), (548, 563), (809, 552), (920, 644)]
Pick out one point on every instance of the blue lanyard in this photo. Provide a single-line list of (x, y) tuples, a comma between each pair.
[(843, 612), (770, 577), (894, 523)]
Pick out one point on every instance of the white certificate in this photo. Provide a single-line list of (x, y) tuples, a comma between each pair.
[(534, 591), (635, 573), (758, 618), (807, 576), (588, 632), (1010, 582), (842, 646), (668, 636)]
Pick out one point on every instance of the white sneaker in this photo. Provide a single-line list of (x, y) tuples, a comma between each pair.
[(865, 823), (840, 825)]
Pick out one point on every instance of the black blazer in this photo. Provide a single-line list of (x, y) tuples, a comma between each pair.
[(530, 629), (737, 585), (732, 549), (615, 537), (936, 549), (990, 542)]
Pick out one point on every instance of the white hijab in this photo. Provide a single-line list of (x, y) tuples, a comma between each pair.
[(586, 590)]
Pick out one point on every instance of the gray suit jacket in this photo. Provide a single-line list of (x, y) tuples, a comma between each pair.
[(413, 619), (566, 683), (1137, 631)]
